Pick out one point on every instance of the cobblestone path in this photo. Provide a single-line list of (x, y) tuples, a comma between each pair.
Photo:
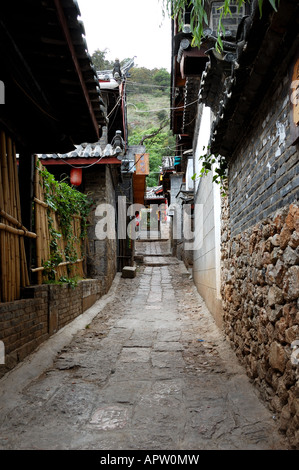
[(147, 370)]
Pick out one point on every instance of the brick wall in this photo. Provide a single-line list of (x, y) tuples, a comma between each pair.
[(264, 173), (44, 310), (23, 326)]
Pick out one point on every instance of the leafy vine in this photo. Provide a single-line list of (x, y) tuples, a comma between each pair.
[(216, 163), (198, 15), (67, 202), (198, 22)]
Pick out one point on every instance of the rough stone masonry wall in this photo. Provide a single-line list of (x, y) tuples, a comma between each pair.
[(260, 254), (102, 256), (260, 292)]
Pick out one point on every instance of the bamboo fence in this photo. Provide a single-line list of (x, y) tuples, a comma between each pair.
[(43, 213), (13, 263)]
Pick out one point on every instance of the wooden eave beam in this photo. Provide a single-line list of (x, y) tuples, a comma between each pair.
[(81, 161), (67, 35)]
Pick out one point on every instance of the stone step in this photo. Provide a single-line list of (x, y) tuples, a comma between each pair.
[(159, 261), (129, 272)]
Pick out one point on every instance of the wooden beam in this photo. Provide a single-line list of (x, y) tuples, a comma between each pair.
[(81, 161), (66, 31)]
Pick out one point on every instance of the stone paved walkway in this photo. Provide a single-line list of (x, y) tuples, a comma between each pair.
[(148, 370)]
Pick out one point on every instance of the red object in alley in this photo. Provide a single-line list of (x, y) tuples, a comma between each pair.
[(76, 176)]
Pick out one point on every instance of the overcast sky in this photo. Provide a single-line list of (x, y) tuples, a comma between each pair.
[(128, 28)]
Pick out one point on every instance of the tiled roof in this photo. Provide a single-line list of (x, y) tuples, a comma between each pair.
[(154, 193), (85, 150)]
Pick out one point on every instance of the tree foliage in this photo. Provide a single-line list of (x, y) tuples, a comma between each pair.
[(146, 89), (216, 163), (99, 60), (159, 145), (162, 78), (148, 92), (149, 81)]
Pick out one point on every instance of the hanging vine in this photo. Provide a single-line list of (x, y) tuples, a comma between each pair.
[(198, 23), (216, 163)]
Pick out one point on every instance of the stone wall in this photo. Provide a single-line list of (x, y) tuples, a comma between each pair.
[(43, 310), (102, 254), (111, 177), (260, 298), (260, 255)]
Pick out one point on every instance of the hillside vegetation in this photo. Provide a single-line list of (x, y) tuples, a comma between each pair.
[(148, 100)]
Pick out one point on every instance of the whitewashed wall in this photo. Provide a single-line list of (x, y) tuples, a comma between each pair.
[(206, 256)]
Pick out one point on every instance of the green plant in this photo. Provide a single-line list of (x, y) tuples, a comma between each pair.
[(66, 202), (71, 282), (198, 22), (158, 143), (198, 15), (216, 163), (99, 60)]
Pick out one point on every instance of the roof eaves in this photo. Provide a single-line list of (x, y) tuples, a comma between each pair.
[(267, 43), (68, 13)]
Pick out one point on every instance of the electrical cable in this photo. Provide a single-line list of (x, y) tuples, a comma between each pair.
[(117, 104), (135, 163), (83, 166), (148, 85), (165, 109)]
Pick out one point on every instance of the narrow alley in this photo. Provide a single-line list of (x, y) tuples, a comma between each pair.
[(145, 368)]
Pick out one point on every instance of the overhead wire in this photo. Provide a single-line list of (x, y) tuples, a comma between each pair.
[(99, 159), (115, 106), (121, 101), (83, 166), (165, 109), (135, 163), (148, 85)]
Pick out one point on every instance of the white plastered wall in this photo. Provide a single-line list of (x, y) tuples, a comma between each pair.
[(206, 256)]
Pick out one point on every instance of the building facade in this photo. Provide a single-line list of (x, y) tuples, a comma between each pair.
[(246, 267)]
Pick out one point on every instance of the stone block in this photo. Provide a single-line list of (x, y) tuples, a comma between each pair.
[(139, 258), (277, 357), (129, 272), (275, 296), (291, 283)]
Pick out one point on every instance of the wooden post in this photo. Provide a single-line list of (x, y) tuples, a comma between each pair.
[(2, 234), (6, 250), (37, 217), (14, 246), (26, 189)]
